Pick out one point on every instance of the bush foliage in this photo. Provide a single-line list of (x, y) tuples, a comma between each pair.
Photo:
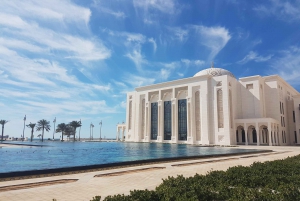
[(269, 181)]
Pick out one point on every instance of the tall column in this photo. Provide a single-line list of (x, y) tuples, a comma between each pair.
[(206, 130), (123, 129), (148, 122), (189, 130), (117, 134), (270, 133), (159, 120), (257, 133), (246, 133)]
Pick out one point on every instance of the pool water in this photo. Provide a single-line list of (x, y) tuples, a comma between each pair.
[(69, 154)]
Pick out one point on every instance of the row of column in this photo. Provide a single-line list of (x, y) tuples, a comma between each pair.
[(120, 128), (273, 134), (174, 119)]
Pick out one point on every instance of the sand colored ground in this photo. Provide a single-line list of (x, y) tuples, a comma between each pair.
[(122, 180)]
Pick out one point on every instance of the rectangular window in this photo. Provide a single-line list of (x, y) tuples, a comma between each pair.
[(154, 121), (283, 122), (167, 120), (182, 120), (280, 108), (296, 137), (294, 119), (249, 86)]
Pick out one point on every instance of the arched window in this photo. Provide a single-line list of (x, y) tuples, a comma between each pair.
[(182, 120), (143, 118), (154, 122), (220, 108), (197, 116), (167, 120)]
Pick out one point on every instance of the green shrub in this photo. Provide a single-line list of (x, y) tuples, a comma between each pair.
[(269, 181)]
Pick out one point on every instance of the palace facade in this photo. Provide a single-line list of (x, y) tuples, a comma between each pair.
[(214, 108)]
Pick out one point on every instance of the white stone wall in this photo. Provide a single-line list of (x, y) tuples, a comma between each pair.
[(255, 102)]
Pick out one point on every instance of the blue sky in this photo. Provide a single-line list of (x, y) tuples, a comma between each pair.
[(77, 59)]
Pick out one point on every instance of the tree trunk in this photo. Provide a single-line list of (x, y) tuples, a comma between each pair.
[(2, 132), (31, 135), (62, 136), (43, 135), (74, 134)]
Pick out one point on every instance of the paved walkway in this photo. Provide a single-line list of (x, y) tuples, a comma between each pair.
[(147, 176)]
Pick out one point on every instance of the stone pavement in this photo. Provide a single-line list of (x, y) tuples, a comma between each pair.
[(89, 186)]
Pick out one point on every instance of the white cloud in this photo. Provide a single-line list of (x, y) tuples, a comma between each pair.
[(41, 37), (137, 81), (164, 6), (71, 107), (137, 58), (47, 10), (179, 33), (117, 14), (188, 62), (253, 56), (214, 38), (123, 104), (282, 9), (288, 65), (37, 38), (151, 40)]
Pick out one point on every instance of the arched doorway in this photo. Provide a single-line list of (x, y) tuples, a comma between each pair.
[(252, 135), (264, 135), (240, 135)]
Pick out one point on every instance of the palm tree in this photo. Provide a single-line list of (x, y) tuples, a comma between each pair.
[(75, 125), (31, 125), (3, 122), (69, 130), (43, 125), (61, 128)]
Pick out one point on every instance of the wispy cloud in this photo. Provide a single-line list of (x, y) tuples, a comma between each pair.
[(136, 56), (151, 40), (137, 81), (287, 65), (38, 49), (253, 56), (151, 10), (60, 11), (214, 38), (117, 14), (30, 32), (188, 62), (164, 6), (179, 33), (282, 9)]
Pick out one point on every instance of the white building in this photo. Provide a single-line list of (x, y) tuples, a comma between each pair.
[(213, 107)]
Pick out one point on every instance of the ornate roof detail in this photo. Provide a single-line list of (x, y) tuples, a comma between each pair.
[(214, 72)]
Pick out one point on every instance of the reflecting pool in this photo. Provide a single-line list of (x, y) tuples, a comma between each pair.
[(69, 154)]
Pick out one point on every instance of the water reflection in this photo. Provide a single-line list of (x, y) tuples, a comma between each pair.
[(67, 154)]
